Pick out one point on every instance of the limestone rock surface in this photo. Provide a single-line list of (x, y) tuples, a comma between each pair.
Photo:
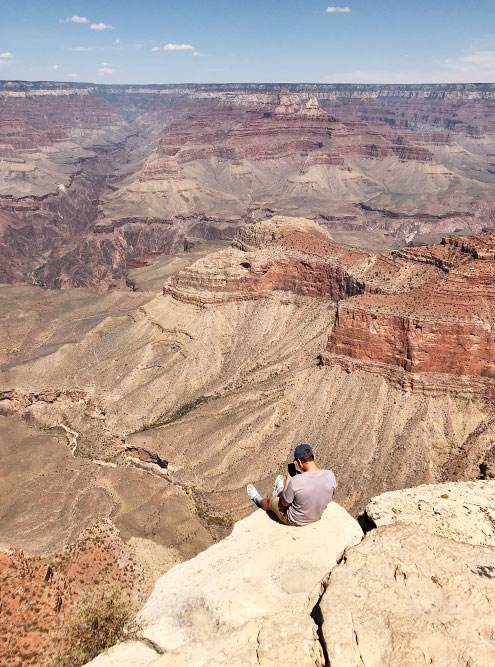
[(420, 590), (248, 599), (137, 654), (460, 511)]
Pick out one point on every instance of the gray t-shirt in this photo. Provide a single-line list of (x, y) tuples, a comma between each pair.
[(309, 493)]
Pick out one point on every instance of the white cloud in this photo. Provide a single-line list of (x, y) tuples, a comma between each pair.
[(175, 47), (178, 47), (84, 48), (101, 26), (197, 54), (105, 68), (117, 41), (74, 19), (54, 68), (7, 54), (337, 10), (479, 60), (4, 63)]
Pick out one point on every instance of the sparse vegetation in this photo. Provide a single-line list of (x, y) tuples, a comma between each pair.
[(178, 414), (38, 276), (203, 514), (444, 495), (102, 618)]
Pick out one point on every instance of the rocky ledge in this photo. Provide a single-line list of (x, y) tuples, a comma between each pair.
[(292, 254), (419, 589), (444, 327)]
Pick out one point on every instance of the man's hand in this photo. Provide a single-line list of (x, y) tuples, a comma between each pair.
[(286, 484), (287, 479)]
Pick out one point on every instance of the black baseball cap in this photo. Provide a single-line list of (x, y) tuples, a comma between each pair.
[(302, 450)]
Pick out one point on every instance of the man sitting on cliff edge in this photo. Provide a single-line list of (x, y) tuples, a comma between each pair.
[(302, 498)]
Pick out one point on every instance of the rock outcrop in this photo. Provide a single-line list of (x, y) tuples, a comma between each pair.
[(460, 511), (419, 589), (293, 255), (444, 327), (247, 600), (416, 590)]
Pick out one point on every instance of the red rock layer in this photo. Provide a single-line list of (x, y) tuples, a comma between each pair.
[(446, 327), (282, 128), (425, 310), (291, 255)]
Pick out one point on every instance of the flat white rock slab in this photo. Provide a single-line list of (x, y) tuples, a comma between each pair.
[(461, 511), (131, 654), (405, 597), (247, 600)]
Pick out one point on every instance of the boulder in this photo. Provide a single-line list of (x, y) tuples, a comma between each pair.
[(248, 599), (460, 511), (420, 590), (405, 597)]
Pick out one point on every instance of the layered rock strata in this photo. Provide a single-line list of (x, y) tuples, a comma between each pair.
[(292, 255), (231, 355), (441, 328), (386, 163)]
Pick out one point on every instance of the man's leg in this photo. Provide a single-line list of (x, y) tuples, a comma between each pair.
[(252, 492), (254, 495), (265, 504), (272, 503), (278, 487)]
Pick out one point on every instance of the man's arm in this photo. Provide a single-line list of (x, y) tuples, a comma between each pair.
[(290, 493)]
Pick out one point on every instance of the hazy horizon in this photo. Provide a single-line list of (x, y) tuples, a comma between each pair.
[(248, 83)]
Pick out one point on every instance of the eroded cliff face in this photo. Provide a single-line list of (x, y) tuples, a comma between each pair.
[(253, 348), (94, 176), (441, 328), (231, 360)]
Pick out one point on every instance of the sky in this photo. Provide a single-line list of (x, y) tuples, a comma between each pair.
[(214, 41)]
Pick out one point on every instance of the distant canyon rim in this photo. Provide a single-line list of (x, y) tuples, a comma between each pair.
[(197, 277)]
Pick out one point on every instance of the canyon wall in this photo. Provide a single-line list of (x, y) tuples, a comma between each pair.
[(93, 176), (284, 336), (446, 328)]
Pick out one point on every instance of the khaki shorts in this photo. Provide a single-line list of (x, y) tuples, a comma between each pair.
[(275, 506)]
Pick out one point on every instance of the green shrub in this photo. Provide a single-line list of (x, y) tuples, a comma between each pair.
[(102, 618)]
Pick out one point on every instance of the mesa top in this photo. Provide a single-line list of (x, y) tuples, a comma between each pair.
[(309, 493)]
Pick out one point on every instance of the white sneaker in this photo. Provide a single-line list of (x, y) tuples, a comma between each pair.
[(253, 494), (278, 487)]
